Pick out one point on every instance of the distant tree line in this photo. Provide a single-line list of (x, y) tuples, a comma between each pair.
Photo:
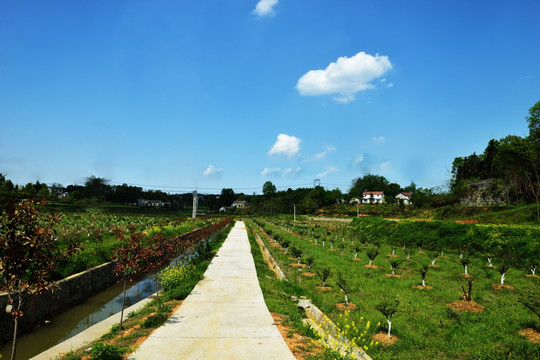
[(513, 162)]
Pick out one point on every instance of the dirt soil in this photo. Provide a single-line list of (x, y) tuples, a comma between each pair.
[(357, 259), (531, 334), (371, 266), (466, 306), (384, 340), (427, 287), (302, 347), (341, 306), (323, 288), (501, 287), (297, 266), (396, 276), (308, 274)]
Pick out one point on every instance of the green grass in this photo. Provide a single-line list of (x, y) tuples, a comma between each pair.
[(427, 328)]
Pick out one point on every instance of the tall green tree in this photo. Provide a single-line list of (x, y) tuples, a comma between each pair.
[(268, 188)]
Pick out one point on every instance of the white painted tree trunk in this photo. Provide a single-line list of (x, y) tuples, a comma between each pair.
[(423, 282), (298, 261), (433, 261), (442, 253), (331, 245), (465, 269), (489, 261), (393, 270), (323, 242), (393, 251), (389, 328), (461, 255), (533, 270), (355, 254), (502, 278), (370, 261), (346, 300), (408, 256)]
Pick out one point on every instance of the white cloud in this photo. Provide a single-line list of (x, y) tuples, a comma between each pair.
[(291, 172), (271, 172), (278, 172), (378, 138), (265, 8), (285, 145), (213, 171), (382, 167), (323, 154), (358, 160), (345, 77), (328, 170)]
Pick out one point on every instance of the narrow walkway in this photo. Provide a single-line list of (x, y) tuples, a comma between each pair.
[(224, 317)]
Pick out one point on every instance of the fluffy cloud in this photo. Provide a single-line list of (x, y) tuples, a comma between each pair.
[(328, 170), (323, 154), (378, 138), (285, 145), (265, 8), (345, 77), (213, 171), (278, 172)]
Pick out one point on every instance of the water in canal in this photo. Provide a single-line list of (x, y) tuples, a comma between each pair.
[(78, 318)]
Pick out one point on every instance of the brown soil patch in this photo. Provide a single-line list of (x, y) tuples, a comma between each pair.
[(396, 276), (466, 306), (533, 276), (342, 306), (332, 250), (357, 259), (323, 288), (308, 274), (467, 221), (275, 245), (500, 287), (298, 266), (384, 340), (531, 334), (392, 256), (427, 287), (371, 266), (434, 266), (302, 347), (466, 276)]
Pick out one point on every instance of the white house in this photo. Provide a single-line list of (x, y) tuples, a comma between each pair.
[(355, 201), (404, 197), (373, 197), (239, 204)]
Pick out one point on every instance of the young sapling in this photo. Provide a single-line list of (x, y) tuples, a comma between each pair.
[(465, 262), (467, 296), (388, 308), (433, 256), (342, 247), (356, 251), (343, 285), (394, 264), (297, 253), (502, 270), (423, 272), (372, 254), (309, 262), (285, 244), (323, 274)]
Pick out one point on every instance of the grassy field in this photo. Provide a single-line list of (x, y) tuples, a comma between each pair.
[(425, 324)]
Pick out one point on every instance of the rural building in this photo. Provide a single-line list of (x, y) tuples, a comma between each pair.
[(239, 204), (404, 198), (373, 197), (153, 203)]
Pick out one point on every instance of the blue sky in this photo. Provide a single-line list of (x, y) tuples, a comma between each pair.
[(211, 94)]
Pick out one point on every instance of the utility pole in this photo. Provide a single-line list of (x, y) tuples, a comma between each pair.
[(195, 202), (294, 205), (357, 209)]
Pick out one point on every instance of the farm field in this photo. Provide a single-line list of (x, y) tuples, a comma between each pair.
[(425, 325)]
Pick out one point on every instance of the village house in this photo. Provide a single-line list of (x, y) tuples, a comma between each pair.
[(404, 198), (239, 204), (373, 197)]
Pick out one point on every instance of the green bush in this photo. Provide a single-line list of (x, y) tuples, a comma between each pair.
[(154, 321), (176, 276), (102, 351)]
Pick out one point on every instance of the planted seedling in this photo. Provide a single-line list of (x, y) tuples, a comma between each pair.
[(502, 270), (394, 264), (465, 262), (285, 244), (388, 308), (423, 272), (343, 285), (489, 257), (323, 274), (467, 295), (408, 254), (356, 250), (309, 262), (342, 247), (533, 264), (372, 254), (433, 256), (297, 253)]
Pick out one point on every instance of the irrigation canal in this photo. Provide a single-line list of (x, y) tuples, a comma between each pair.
[(80, 317)]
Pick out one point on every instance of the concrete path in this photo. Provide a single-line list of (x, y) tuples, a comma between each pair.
[(224, 317)]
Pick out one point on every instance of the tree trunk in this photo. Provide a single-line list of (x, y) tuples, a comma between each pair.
[(423, 282), (465, 269), (502, 278), (14, 344), (393, 270), (389, 328), (123, 304), (346, 300)]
